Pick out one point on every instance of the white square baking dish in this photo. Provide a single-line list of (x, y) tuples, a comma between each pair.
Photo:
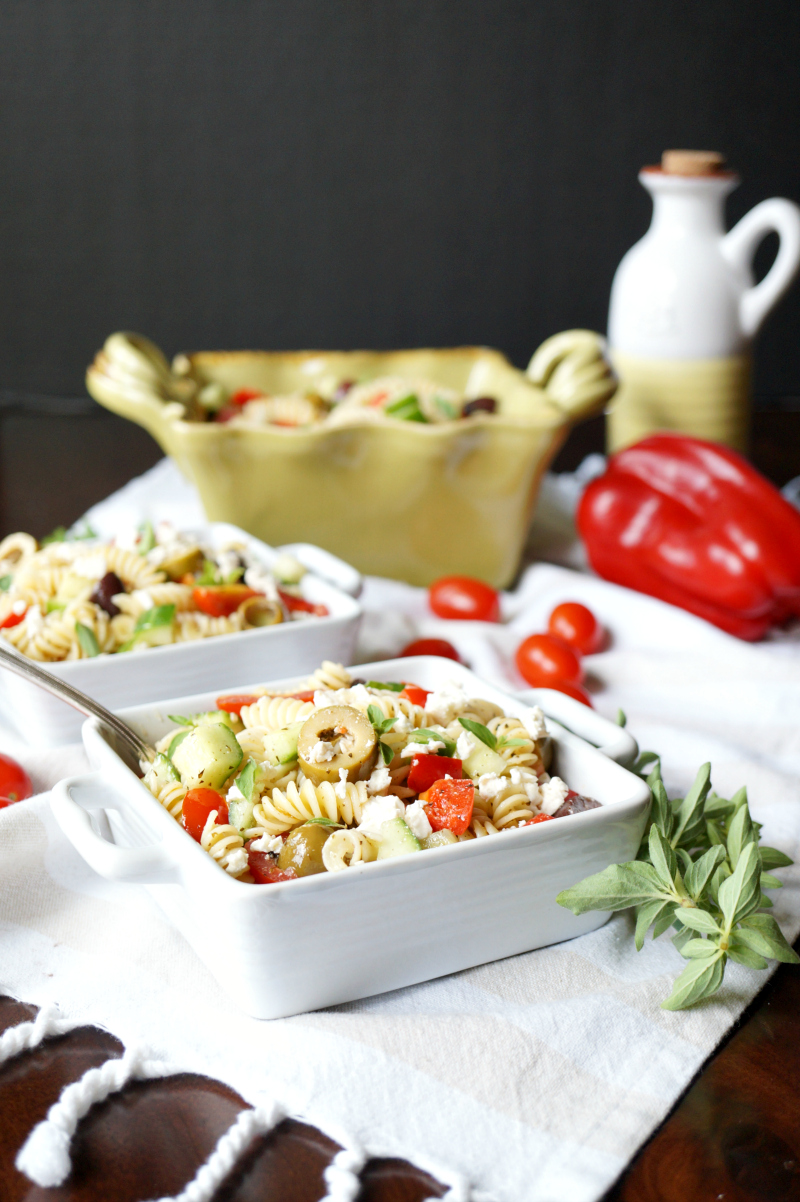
[(208, 664), (320, 940)]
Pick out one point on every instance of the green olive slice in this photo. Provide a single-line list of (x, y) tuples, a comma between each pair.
[(337, 737), (302, 849)]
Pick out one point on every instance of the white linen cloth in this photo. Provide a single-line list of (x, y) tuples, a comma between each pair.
[(533, 1079)]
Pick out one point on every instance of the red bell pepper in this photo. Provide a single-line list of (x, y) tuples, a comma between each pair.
[(448, 805), (692, 523), (427, 769)]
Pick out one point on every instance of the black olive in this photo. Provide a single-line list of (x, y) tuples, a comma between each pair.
[(576, 803), (481, 404), (104, 590), (343, 389)]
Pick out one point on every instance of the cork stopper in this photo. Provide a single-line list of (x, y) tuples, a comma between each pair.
[(692, 162)]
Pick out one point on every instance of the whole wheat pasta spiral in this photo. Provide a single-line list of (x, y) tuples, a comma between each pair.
[(345, 848), (273, 713)]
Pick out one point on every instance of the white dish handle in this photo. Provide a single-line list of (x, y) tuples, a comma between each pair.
[(327, 565), (614, 741), (71, 801)]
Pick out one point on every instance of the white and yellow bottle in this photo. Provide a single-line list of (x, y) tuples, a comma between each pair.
[(684, 308)]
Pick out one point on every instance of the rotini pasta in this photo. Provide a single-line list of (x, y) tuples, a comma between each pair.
[(292, 786)]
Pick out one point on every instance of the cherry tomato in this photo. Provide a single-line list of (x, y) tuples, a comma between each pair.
[(572, 690), (427, 769), (416, 695), (542, 658), (234, 703), (463, 597), (12, 620), (538, 818), (15, 784), (576, 625), (448, 804), (300, 605), (264, 869), (432, 647), (197, 805), (221, 600)]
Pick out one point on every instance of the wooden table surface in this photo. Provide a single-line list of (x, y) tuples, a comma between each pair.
[(734, 1136)]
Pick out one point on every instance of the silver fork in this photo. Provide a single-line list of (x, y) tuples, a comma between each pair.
[(130, 746)]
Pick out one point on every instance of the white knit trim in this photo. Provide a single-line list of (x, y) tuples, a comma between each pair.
[(29, 1035), (342, 1174), (228, 1152), (45, 1155)]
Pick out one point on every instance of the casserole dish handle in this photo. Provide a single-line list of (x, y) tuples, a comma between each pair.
[(71, 801), (614, 741)]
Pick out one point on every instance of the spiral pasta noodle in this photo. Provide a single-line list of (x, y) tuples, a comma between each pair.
[(274, 713), (282, 809), (342, 849), (189, 626), (330, 676), (225, 845), (132, 569)]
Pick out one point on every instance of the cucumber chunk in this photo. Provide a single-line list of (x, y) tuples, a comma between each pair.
[(480, 760), (207, 756), (397, 839), (212, 716), (240, 813), (280, 747)]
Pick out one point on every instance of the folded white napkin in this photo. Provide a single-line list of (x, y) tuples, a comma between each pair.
[(534, 1079)]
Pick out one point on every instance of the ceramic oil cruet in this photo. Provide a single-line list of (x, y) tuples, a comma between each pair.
[(684, 307)]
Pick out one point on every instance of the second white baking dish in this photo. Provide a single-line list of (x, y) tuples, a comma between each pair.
[(209, 664)]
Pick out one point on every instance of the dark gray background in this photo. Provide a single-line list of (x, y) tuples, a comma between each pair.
[(341, 173)]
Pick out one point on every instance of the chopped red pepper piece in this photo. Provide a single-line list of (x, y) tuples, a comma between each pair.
[(244, 395), (692, 523), (264, 868), (538, 818), (221, 600), (13, 620), (426, 769), (234, 702), (300, 605), (416, 695), (448, 804), (197, 805)]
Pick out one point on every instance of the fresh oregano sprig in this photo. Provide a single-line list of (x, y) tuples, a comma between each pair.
[(700, 869)]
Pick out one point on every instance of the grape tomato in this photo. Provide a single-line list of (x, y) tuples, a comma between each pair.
[(543, 658), (463, 598), (571, 690), (197, 805), (15, 784), (577, 626)]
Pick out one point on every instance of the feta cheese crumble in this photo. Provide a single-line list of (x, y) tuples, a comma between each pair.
[(380, 779), (421, 749), (447, 702), (235, 793), (270, 843), (490, 785), (417, 820), (236, 861), (466, 744), (378, 811), (533, 721), (554, 794)]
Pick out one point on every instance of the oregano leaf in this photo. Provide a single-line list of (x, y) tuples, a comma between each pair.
[(87, 640), (617, 887), (740, 893), (702, 870), (699, 949), (772, 858), (762, 933), (698, 920), (479, 731), (699, 979), (646, 915)]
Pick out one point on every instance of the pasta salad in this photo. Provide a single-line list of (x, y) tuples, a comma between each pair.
[(400, 398), (342, 771), (79, 597)]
